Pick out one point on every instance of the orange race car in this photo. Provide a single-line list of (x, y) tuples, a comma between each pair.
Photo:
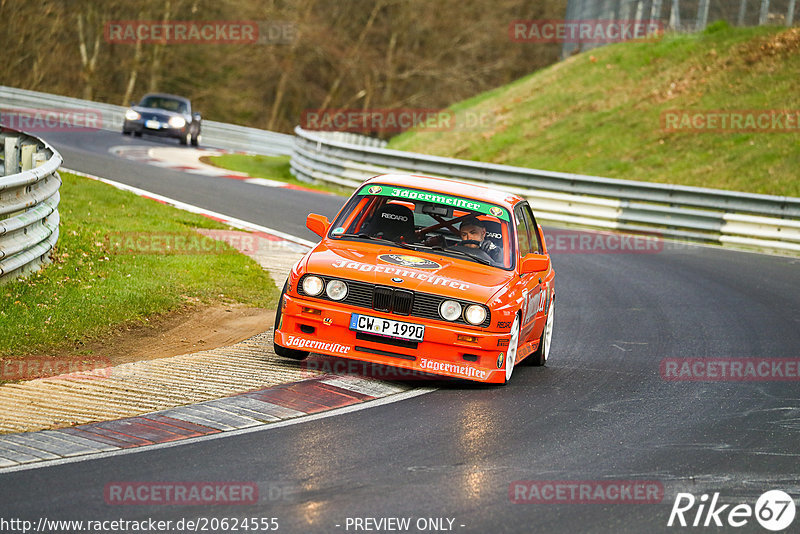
[(425, 274)]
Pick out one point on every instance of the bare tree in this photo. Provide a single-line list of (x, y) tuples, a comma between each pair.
[(87, 32), (157, 53)]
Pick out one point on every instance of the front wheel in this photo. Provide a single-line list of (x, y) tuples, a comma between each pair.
[(283, 351), (539, 357), (196, 139), (513, 345)]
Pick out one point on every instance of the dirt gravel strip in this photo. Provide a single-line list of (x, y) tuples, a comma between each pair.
[(249, 410), (145, 386)]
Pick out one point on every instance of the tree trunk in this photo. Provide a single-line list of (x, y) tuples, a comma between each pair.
[(354, 53), (88, 58), (158, 52), (280, 90)]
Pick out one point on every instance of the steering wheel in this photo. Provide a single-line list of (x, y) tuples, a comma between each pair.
[(475, 252)]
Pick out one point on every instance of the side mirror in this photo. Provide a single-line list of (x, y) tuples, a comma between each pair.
[(318, 224), (534, 263)]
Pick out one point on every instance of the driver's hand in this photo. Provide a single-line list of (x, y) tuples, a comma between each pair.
[(435, 241)]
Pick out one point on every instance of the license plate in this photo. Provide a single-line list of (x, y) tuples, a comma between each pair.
[(387, 327), (153, 125)]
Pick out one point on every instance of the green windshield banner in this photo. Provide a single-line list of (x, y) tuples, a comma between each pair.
[(436, 198)]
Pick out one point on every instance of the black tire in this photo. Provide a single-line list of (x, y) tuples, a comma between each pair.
[(283, 351), (125, 132), (539, 358), (196, 140), (137, 134)]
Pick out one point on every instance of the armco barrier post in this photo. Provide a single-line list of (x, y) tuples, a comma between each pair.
[(11, 156)]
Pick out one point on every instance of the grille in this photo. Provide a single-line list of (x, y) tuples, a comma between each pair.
[(390, 300), (403, 301), (395, 301), (382, 299)]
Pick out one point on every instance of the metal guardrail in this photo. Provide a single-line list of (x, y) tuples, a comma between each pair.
[(28, 203), (218, 134), (682, 212)]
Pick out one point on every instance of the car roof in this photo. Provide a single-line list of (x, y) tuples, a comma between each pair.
[(449, 187), (166, 95)]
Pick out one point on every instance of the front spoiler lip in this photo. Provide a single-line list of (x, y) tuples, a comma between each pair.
[(437, 354), (138, 126)]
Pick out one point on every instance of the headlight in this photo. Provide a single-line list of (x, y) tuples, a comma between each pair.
[(475, 314), (312, 285), (177, 122), (450, 310), (132, 115), (336, 290)]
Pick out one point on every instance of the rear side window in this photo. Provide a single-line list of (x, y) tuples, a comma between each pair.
[(533, 229), (523, 234)]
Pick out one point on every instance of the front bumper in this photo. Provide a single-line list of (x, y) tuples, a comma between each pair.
[(323, 327), (164, 129)]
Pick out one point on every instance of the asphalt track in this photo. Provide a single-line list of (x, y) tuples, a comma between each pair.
[(599, 411)]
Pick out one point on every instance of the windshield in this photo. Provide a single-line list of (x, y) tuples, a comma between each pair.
[(160, 102), (423, 220)]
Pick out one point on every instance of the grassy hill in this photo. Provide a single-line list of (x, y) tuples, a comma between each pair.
[(600, 113)]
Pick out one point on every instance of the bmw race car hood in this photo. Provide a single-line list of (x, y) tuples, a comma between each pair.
[(408, 269)]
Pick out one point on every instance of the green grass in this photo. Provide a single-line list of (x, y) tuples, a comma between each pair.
[(599, 113), (269, 167), (90, 290)]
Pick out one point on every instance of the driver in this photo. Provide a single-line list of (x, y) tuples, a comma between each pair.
[(472, 229)]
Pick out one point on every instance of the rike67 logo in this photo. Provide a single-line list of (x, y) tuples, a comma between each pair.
[(774, 510)]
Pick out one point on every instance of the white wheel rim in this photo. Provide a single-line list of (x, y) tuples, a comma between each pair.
[(511, 354), (548, 331)]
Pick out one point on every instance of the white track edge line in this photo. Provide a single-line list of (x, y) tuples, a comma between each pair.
[(233, 221), (249, 430)]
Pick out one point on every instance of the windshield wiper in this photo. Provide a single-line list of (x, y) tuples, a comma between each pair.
[(470, 256), (378, 240)]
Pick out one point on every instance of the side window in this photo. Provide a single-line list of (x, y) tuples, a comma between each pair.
[(523, 237), (532, 228)]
